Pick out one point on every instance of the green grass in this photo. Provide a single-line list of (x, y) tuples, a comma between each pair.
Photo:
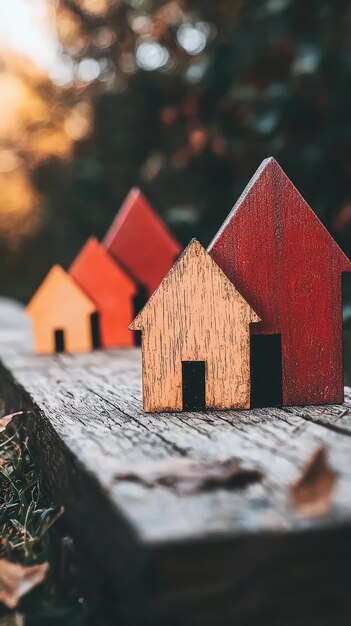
[(28, 536), (24, 523)]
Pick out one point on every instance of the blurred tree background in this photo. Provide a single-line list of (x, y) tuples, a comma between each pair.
[(183, 98)]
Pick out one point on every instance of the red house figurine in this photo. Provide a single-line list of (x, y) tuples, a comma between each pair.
[(289, 269), (141, 242), (111, 290)]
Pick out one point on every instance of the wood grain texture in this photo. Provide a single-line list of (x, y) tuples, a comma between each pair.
[(160, 557), (196, 314), (140, 241), (60, 304), (111, 290), (288, 267)]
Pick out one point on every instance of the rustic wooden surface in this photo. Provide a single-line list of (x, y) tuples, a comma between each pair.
[(196, 314), (141, 242), (288, 267), (111, 290), (170, 557), (60, 304)]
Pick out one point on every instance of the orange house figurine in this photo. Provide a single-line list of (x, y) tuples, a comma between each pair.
[(140, 241), (111, 290), (195, 339), (62, 315)]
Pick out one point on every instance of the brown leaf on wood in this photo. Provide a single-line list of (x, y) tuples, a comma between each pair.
[(17, 580), (312, 492), (7, 419), (188, 477)]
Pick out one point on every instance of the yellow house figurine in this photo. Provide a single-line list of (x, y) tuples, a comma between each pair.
[(62, 315)]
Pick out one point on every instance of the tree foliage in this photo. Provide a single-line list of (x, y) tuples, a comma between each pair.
[(186, 98)]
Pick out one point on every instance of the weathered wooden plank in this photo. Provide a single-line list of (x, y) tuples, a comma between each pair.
[(209, 557)]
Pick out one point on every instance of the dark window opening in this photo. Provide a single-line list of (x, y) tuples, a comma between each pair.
[(266, 371), (346, 300), (194, 385), (140, 300), (95, 330), (59, 340)]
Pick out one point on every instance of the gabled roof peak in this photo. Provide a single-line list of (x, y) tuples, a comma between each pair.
[(269, 163), (99, 275), (141, 242), (276, 186), (55, 279), (194, 246), (135, 200), (193, 250)]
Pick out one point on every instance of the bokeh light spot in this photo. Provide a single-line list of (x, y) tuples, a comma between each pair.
[(192, 38), (79, 123), (62, 71), (95, 7), (150, 55), (88, 70)]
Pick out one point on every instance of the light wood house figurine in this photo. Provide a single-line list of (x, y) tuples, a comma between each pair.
[(195, 339)]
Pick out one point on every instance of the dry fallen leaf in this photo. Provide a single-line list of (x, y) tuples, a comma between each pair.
[(312, 492), (188, 476), (7, 419), (17, 580)]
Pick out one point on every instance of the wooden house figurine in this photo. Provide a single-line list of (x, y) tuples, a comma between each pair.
[(62, 315), (195, 339), (111, 290), (141, 243), (289, 268)]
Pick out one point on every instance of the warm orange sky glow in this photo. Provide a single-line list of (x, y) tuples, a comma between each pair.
[(27, 28), (36, 124)]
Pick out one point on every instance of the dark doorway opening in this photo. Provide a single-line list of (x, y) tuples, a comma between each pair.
[(139, 302), (266, 371), (59, 340), (95, 330), (194, 385), (346, 300)]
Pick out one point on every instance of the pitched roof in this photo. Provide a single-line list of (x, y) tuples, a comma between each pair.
[(99, 276), (270, 172), (141, 242), (194, 249), (58, 290)]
